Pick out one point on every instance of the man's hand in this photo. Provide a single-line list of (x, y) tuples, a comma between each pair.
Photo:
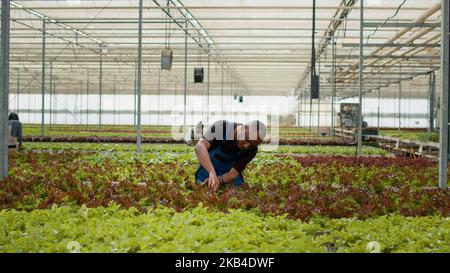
[(213, 181)]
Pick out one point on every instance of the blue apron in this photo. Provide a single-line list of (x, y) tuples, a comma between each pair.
[(221, 161)]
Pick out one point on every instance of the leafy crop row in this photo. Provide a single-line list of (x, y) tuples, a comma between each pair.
[(130, 131), (302, 187), (181, 148), (412, 135), (132, 139), (80, 229), (99, 139)]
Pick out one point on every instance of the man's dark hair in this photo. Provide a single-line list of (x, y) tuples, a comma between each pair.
[(13, 116)]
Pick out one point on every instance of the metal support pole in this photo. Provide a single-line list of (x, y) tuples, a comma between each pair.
[(432, 95), (100, 84), (134, 95), (305, 105), (4, 78), (298, 110), (87, 97), (185, 73), (54, 119), (409, 106), (310, 114), (333, 96), (208, 86), (114, 101), (222, 92), (379, 102), (399, 107), (318, 101), (18, 91), (139, 81), (159, 93), (43, 78), (444, 145), (80, 110), (318, 113), (230, 110), (28, 104), (361, 69), (51, 93)]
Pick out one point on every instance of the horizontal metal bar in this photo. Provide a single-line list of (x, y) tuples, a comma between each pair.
[(215, 7), (160, 44), (391, 66), (162, 36), (400, 25), (420, 57), (99, 28), (182, 19), (393, 45)]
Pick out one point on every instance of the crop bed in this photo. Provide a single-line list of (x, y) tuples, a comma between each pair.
[(182, 148), (100, 139), (80, 229), (59, 198), (31, 131), (414, 135), (117, 139), (300, 187)]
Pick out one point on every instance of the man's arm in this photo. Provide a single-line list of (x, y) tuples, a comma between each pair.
[(230, 176), (201, 150)]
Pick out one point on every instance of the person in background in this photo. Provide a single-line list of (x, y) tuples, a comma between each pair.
[(14, 132)]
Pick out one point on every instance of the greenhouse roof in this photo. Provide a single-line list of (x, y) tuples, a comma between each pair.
[(256, 47)]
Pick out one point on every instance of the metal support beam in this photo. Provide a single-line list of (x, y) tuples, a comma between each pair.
[(87, 96), (432, 95), (390, 56), (18, 91), (134, 95), (114, 100), (379, 103), (139, 81), (43, 78), (361, 68), (185, 73), (222, 91), (411, 45), (444, 144), (318, 101), (399, 109), (100, 88), (159, 94), (51, 95), (333, 82), (208, 87), (310, 114), (298, 110), (4, 96), (402, 25)]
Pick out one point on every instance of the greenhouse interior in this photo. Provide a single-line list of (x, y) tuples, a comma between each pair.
[(112, 115)]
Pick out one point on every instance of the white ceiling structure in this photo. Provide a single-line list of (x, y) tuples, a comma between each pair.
[(263, 46)]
